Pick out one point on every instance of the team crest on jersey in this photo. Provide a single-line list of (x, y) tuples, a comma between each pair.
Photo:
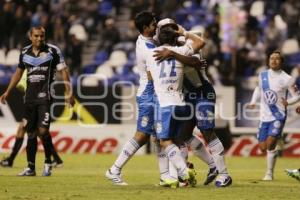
[(277, 124), (145, 121), (270, 97)]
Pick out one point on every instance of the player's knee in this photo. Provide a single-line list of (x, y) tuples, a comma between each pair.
[(31, 135), (196, 144), (209, 135), (141, 138), (42, 132)]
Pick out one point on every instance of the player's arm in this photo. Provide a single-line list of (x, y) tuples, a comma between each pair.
[(166, 53), (68, 90), (197, 42), (295, 94), (12, 84), (254, 99)]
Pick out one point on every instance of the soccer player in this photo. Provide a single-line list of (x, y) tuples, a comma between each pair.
[(146, 24), (41, 60), (8, 161), (274, 85), (200, 93), (168, 78)]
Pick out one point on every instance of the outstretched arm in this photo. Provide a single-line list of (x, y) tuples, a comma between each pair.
[(12, 84), (68, 90)]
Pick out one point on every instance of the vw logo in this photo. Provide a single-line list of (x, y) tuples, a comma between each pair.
[(270, 97)]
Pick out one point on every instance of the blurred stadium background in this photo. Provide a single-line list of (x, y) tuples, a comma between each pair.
[(98, 42)]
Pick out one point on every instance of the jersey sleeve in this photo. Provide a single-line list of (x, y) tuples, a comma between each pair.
[(21, 64), (60, 60)]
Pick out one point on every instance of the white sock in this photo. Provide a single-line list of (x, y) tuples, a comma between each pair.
[(127, 152), (217, 151), (271, 160), (200, 151), (175, 158), (172, 171), (184, 151), (163, 162)]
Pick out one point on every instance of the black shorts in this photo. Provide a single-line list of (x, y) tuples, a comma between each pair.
[(36, 115)]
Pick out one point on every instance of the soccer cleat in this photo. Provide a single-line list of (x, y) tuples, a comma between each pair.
[(47, 169), (223, 181), (172, 183), (192, 177), (268, 177), (27, 172), (294, 173), (189, 179), (212, 174), (115, 178), (6, 162), (57, 163)]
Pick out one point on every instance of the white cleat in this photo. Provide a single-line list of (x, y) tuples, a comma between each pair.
[(115, 178), (268, 177)]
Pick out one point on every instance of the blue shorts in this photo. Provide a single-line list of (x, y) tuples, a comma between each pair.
[(169, 121), (146, 104), (204, 111), (272, 128)]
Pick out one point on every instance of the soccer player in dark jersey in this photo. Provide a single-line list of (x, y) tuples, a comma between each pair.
[(41, 60)]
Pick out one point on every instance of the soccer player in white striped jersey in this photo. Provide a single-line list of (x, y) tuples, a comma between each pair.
[(146, 24), (274, 85), (168, 80)]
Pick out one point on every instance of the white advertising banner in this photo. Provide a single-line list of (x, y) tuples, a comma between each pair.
[(77, 139)]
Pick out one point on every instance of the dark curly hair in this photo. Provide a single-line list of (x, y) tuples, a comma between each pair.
[(168, 35)]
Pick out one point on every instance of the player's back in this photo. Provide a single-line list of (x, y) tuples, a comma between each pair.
[(168, 79)]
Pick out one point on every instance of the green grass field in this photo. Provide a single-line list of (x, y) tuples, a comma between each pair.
[(82, 177)]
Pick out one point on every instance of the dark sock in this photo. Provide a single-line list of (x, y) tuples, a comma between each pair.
[(31, 152), (47, 144), (54, 153), (16, 148)]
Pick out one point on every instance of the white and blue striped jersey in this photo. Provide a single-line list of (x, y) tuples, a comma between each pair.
[(273, 87)]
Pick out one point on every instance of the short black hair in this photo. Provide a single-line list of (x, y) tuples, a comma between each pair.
[(168, 35), (142, 19)]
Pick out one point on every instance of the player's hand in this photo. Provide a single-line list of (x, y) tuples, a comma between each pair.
[(70, 100), (284, 102), (250, 106), (163, 54), (181, 30), (298, 109), (3, 97)]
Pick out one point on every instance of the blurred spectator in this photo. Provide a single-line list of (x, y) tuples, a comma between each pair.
[(290, 12), (21, 27), (7, 24), (131, 33), (110, 35), (73, 53), (273, 36), (256, 48)]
